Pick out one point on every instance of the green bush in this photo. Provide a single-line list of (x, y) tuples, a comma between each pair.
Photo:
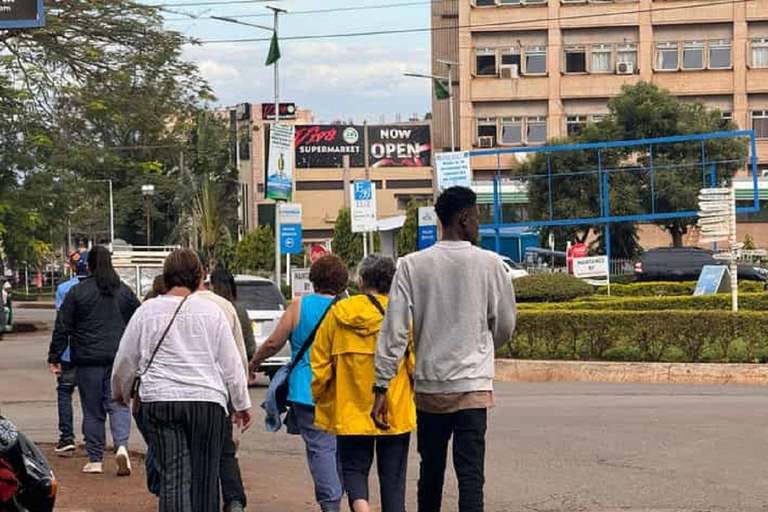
[(717, 336), (665, 288), (721, 301), (551, 288)]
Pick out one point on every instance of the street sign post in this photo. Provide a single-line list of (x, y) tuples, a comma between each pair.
[(290, 228), (427, 227), (717, 223), (590, 266), (363, 209), (453, 170)]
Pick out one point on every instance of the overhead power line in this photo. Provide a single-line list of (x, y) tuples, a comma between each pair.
[(478, 26), (207, 3)]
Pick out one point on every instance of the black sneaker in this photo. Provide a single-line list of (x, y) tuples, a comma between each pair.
[(64, 446)]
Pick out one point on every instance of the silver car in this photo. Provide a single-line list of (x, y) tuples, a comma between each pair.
[(265, 304)]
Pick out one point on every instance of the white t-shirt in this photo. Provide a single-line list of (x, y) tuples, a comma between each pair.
[(197, 362)]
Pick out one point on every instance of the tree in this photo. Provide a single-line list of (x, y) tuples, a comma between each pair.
[(256, 251), (346, 244), (407, 238)]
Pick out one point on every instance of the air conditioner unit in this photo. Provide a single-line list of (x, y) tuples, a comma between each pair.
[(486, 141), (509, 71), (625, 68)]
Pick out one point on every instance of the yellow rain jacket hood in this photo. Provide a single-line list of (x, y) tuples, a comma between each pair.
[(342, 358)]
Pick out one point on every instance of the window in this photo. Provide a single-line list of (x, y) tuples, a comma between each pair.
[(536, 60), (574, 125), (596, 118), (720, 55), (511, 56), (627, 53), (485, 3), (693, 55), (535, 2), (576, 60), (485, 62), (512, 130), (667, 58), (760, 53), (726, 118), (510, 2), (536, 130), (486, 127), (601, 58), (760, 123)]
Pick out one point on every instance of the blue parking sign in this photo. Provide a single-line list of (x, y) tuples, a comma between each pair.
[(290, 238)]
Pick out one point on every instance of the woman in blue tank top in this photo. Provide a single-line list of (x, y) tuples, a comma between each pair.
[(329, 278)]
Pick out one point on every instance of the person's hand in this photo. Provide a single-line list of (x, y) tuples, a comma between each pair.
[(243, 419), (55, 369), (253, 366), (380, 411)]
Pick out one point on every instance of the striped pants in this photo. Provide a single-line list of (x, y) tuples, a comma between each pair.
[(187, 440)]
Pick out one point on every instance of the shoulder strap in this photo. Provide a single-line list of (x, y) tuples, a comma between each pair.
[(376, 303), (162, 338), (311, 338)]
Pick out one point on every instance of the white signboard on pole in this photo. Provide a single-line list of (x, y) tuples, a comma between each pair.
[(301, 283), (363, 206), (590, 266), (280, 165), (453, 170)]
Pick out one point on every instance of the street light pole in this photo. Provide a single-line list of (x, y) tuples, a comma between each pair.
[(148, 191)]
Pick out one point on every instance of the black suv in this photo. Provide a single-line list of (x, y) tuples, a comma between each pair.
[(685, 264)]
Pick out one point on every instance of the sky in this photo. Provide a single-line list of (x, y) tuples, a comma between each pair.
[(355, 78)]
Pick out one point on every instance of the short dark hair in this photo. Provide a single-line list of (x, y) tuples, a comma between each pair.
[(452, 202), (377, 272), (183, 268), (329, 275), (224, 284), (158, 288)]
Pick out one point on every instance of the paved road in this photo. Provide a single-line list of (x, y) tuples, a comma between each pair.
[(552, 446)]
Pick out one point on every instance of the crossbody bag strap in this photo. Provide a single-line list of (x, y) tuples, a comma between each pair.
[(162, 338), (376, 303), (311, 337)]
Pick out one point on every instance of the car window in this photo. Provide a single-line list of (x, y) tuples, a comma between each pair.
[(260, 296)]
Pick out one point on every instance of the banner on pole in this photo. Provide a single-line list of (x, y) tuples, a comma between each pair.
[(363, 206), (280, 169), (453, 170)]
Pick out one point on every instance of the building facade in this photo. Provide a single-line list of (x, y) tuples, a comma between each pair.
[(530, 70)]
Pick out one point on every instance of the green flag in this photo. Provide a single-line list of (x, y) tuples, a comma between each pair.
[(441, 92), (274, 50)]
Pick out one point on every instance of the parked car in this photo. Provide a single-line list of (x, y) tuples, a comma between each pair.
[(265, 304), (513, 269), (685, 264)]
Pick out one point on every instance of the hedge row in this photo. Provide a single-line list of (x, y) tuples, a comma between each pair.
[(689, 336), (652, 288), (552, 287), (722, 301)]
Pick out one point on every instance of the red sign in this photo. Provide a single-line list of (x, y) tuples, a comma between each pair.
[(287, 111), (578, 251), (317, 252)]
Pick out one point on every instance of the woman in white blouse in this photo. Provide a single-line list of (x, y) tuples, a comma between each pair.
[(185, 387)]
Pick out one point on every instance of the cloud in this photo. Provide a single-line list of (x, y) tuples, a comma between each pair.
[(335, 80)]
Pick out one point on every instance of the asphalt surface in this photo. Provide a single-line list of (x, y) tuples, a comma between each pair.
[(551, 446)]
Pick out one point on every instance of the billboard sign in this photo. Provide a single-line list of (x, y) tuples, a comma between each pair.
[(280, 169), (21, 14), (243, 112), (363, 206), (322, 146), (453, 170), (399, 145), (287, 111), (427, 233)]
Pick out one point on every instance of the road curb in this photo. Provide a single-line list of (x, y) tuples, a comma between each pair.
[(34, 305), (661, 373)]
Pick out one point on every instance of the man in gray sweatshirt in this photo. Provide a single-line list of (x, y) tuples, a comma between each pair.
[(461, 306)]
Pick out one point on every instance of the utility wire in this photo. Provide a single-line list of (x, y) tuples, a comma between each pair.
[(471, 27), (207, 3)]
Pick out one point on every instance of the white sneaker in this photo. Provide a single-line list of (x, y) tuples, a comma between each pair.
[(123, 462), (93, 468)]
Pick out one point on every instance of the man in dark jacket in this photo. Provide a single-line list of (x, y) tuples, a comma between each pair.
[(92, 320)]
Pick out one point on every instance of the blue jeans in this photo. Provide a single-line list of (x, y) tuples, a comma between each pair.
[(322, 459), (65, 387), (96, 400)]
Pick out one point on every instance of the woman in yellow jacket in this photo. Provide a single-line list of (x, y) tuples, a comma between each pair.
[(342, 382)]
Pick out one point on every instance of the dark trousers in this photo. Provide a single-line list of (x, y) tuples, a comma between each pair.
[(321, 457), (65, 388), (96, 401), (229, 471), (356, 455), (468, 429), (186, 439)]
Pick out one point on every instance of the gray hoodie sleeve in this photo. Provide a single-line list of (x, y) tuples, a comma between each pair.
[(395, 330), (501, 306)]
